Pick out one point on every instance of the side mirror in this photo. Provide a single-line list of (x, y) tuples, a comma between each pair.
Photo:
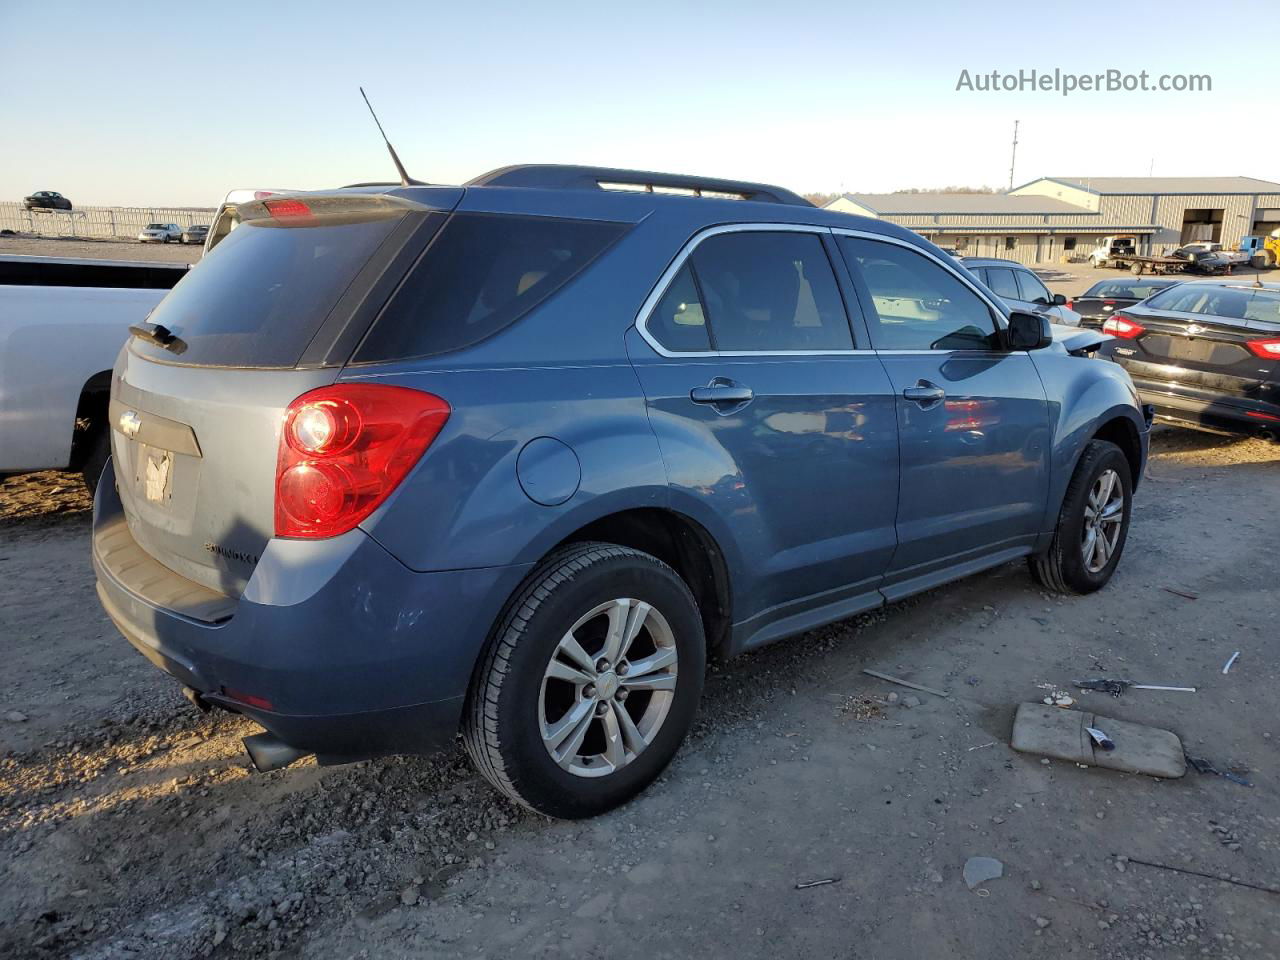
[(1059, 300), (1028, 331)]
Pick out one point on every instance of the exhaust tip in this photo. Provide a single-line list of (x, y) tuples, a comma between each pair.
[(269, 753)]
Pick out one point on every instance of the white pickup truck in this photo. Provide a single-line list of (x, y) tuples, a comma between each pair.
[(62, 322)]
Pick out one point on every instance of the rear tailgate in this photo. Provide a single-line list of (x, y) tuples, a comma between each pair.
[(271, 313)]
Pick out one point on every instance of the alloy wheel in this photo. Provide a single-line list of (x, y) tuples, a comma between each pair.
[(1103, 516), (608, 687)]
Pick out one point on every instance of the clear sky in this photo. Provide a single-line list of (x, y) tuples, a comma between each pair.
[(154, 103)]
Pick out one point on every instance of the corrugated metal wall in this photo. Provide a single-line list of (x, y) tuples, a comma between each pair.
[(97, 222)]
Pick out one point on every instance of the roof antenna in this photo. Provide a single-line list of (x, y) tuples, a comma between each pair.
[(405, 179)]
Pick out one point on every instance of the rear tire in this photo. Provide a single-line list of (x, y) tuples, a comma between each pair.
[(549, 664), (1071, 564)]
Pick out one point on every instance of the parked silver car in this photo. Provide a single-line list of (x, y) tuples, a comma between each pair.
[(1020, 288), (160, 233), (196, 233)]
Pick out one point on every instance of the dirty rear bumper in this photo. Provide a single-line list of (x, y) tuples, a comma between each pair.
[(335, 646)]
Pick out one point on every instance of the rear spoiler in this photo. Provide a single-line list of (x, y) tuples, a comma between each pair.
[(228, 216)]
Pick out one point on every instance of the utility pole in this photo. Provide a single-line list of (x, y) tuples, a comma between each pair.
[(1013, 157)]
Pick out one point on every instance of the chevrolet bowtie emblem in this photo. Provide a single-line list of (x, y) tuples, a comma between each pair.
[(130, 423)]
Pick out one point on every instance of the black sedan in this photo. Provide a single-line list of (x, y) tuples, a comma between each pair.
[(1205, 353), (46, 200), (1105, 297)]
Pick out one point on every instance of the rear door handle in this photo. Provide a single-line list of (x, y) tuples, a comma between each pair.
[(720, 392), (925, 393)]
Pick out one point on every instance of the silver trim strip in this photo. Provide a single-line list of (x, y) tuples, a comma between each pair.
[(664, 281), (668, 275)]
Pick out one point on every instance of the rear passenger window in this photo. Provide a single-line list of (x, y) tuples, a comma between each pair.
[(918, 304), (770, 292), (1002, 284), (481, 274), (753, 291)]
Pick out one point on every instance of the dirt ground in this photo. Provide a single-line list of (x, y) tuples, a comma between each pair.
[(30, 246), (130, 825)]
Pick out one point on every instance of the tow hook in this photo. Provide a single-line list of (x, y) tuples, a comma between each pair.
[(270, 753)]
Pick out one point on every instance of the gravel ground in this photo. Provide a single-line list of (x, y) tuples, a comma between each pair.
[(29, 246), (130, 825)]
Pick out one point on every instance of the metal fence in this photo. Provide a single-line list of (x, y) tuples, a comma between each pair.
[(97, 222)]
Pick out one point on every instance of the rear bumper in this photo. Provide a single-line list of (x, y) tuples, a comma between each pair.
[(343, 650), (1202, 409)]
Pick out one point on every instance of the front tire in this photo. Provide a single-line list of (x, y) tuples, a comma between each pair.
[(590, 683), (1092, 525)]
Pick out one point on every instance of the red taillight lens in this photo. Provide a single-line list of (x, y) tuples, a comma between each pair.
[(284, 209), (1071, 304), (1118, 325), (1267, 349), (344, 448)]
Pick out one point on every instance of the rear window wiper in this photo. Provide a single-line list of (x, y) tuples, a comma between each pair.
[(160, 335)]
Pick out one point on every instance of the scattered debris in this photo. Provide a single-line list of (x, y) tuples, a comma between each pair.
[(16, 716), (1056, 697), (1117, 687), (806, 884), (1204, 766), (981, 745), (861, 708), (1208, 876), (978, 870), (904, 683), (1100, 738), (1065, 735), (1231, 661), (1182, 593)]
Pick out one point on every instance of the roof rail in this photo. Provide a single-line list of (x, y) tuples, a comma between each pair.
[(551, 176)]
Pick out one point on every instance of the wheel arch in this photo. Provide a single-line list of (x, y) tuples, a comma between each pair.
[(1121, 431), (92, 408), (684, 545)]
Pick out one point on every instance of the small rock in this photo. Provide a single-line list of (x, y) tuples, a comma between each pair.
[(910, 702), (409, 895), (1100, 815), (1035, 884), (16, 716), (1045, 761), (933, 876), (1042, 922), (891, 698), (979, 870)]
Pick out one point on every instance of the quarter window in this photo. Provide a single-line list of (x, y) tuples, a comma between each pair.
[(678, 322), (753, 291), (918, 304)]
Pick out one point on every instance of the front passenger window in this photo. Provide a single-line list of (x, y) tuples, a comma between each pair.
[(917, 304)]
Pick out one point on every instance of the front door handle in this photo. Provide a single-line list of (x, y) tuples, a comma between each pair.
[(925, 393)]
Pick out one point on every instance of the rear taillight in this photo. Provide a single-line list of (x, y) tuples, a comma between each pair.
[(1071, 304), (1118, 325), (344, 448), (1267, 349)]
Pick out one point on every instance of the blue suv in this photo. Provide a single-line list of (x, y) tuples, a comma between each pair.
[(513, 459)]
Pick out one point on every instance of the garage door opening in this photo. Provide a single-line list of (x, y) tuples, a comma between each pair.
[(1202, 225)]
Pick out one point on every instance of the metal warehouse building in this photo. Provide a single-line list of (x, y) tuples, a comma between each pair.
[(1057, 219)]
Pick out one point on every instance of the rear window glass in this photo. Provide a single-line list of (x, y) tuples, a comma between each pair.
[(1000, 280), (480, 274), (261, 295), (1234, 303), (1126, 289)]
